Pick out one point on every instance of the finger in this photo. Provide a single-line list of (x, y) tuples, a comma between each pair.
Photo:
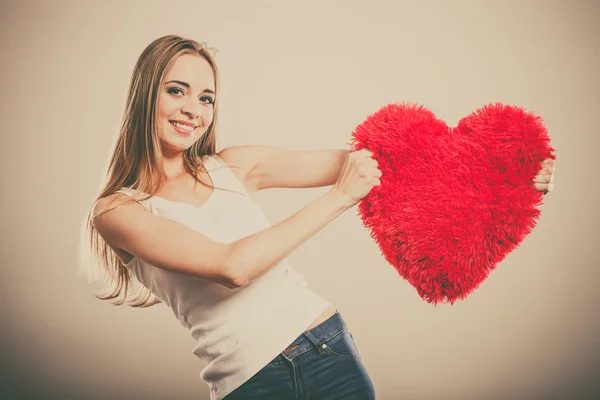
[(375, 172), (361, 171), (540, 187), (546, 170), (541, 179), (549, 163), (549, 188), (366, 153)]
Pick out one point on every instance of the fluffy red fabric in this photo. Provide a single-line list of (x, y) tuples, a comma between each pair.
[(453, 202)]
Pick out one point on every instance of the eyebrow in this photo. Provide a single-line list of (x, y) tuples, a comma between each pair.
[(187, 85)]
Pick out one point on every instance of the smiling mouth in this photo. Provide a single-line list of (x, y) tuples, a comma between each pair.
[(183, 127)]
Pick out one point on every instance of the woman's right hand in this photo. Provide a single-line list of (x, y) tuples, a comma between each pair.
[(359, 175)]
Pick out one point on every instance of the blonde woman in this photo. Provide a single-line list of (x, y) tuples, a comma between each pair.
[(179, 217)]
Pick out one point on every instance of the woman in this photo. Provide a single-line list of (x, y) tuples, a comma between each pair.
[(179, 216)]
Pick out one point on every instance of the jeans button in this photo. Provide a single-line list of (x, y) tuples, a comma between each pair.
[(324, 345)]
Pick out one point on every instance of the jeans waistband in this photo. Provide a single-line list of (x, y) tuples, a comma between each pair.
[(315, 338)]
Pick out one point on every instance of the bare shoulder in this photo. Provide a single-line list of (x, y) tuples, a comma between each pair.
[(111, 214), (108, 203), (243, 161), (115, 209), (103, 204)]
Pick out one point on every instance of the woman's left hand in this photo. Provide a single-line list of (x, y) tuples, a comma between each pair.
[(544, 181)]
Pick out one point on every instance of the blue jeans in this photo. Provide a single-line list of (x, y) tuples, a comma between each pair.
[(322, 363)]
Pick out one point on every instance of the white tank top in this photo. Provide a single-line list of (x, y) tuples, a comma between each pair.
[(239, 330)]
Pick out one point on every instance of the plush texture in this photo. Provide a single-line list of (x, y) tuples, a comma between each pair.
[(453, 202)]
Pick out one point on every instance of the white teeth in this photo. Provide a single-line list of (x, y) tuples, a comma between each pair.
[(184, 127)]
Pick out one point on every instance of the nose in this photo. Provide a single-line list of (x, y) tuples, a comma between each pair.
[(191, 108)]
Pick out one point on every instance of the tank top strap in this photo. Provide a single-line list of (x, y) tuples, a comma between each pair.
[(135, 194), (223, 176)]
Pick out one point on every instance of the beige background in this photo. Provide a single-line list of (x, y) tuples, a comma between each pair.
[(302, 75)]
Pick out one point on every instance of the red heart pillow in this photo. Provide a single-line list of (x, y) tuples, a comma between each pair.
[(453, 202)]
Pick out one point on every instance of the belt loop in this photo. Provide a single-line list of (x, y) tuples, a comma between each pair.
[(320, 347)]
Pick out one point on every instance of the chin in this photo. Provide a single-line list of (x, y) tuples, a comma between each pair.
[(179, 143), (176, 145)]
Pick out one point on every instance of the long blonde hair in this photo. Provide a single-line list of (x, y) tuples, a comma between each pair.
[(136, 160)]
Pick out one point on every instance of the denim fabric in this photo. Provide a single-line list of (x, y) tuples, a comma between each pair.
[(322, 363)]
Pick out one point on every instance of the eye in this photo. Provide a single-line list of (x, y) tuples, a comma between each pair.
[(207, 99), (175, 91)]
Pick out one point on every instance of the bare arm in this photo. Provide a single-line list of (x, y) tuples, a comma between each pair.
[(172, 246), (159, 241), (254, 255), (267, 167)]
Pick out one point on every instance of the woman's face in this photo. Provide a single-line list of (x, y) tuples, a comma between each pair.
[(185, 102)]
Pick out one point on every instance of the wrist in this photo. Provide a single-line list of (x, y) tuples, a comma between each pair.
[(340, 199)]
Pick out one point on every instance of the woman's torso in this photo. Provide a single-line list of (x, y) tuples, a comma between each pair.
[(186, 192)]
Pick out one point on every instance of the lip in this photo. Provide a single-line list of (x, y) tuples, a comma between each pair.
[(184, 123), (181, 131)]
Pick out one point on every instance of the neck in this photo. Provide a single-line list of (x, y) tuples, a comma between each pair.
[(173, 165)]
